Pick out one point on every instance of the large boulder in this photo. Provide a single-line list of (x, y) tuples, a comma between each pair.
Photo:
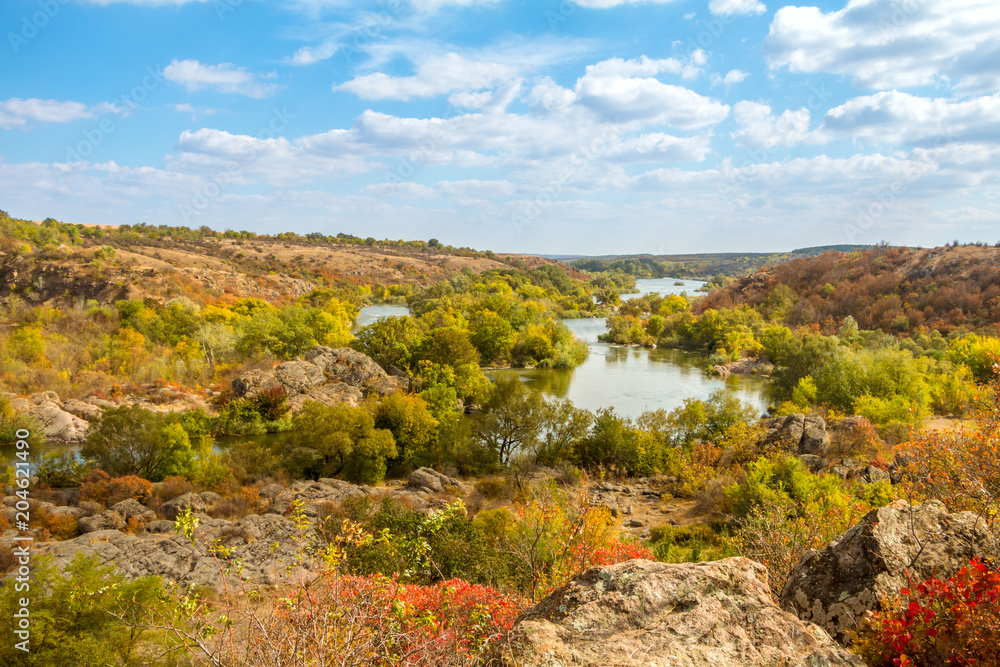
[(173, 508), (57, 425), (791, 429), (815, 439), (324, 374), (430, 480), (644, 613), (131, 508), (836, 586)]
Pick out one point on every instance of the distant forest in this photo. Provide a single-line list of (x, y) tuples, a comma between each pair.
[(699, 265)]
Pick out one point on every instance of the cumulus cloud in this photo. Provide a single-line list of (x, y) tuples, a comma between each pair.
[(733, 7), (225, 78), (760, 128), (17, 112), (435, 75), (893, 117), (613, 94), (892, 43)]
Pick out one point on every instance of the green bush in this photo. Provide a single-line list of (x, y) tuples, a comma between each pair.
[(71, 616)]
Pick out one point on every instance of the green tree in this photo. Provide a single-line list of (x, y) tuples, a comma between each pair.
[(130, 440), (390, 341), (411, 423), (513, 418), (492, 335), (332, 440)]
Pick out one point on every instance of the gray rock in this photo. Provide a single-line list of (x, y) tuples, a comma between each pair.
[(428, 479), (131, 507), (86, 411), (836, 586), (815, 439), (175, 558), (160, 526), (643, 614), (814, 463), (791, 429), (57, 425), (106, 520), (872, 475), (326, 375), (271, 491), (210, 497), (172, 508)]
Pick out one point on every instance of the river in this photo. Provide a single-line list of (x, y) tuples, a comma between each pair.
[(629, 379)]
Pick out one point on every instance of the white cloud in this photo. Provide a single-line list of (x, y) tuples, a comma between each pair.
[(225, 78), (893, 117), (623, 98), (435, 75), (733, 7), (308, 55), (761, 128), (891, 44), (17, 112), (734, 76)]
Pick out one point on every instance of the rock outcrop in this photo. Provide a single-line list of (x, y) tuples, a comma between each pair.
[(173, 557), (324, 374), (836, 586), (55, 423), (430, 480), (644, 613)]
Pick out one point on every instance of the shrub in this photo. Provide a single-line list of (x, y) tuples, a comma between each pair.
[(53, 525), (88, 616), (100, 487), (338, 440), (271, 403), (953, 622), (172, 487), (250, 460)]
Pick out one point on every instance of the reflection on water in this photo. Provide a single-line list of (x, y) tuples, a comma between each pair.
[(369, 314), (634, 379), (665, 286)]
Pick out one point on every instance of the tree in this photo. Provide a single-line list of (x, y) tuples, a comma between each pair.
[(448, 347), (492, 335), (131, 440), (512, 419), (412, 425), (390, 341), (331, 440)]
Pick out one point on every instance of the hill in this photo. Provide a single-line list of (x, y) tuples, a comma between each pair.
[(46, 260), (893, 289)]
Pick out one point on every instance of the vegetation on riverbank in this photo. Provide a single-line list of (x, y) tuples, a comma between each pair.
[(440, 582)]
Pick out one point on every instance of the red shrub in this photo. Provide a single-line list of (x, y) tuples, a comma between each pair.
[(953, 622)]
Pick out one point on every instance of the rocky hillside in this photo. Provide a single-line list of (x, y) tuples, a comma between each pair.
[(894, 289), (42, 261)]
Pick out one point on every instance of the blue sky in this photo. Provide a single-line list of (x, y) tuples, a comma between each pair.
[(580, 126)]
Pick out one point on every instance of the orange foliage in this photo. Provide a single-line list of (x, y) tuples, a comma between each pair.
[(99, 487)]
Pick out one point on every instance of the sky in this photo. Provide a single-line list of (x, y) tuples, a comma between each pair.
[(558, 127)]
